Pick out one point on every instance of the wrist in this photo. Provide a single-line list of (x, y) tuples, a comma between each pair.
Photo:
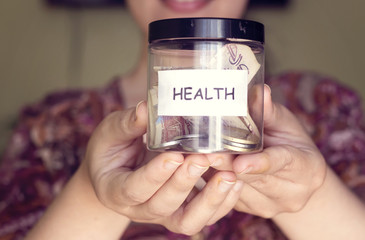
[(82, 185), (332, 206), (77, 213)]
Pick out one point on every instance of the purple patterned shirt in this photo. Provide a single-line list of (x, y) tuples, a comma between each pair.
[(51, 137)]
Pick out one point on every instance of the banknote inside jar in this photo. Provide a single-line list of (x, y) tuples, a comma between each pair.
[(207, 134)]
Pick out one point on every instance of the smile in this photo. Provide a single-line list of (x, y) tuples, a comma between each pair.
[(185, 5)]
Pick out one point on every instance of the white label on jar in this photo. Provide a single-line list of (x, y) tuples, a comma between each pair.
[(202, 92)]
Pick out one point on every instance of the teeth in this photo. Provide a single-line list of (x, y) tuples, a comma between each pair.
[(182, 1)]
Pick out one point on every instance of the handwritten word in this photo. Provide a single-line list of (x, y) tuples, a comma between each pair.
[(188, 93)]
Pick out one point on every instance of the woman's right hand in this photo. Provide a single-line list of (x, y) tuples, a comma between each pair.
[(155, 189)]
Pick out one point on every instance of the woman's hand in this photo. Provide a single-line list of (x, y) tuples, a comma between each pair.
[(282, 177), (155, 189), (119, 181), (286, 173), (290, 182)]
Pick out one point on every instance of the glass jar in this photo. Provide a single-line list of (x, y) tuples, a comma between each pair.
[(205, 85)]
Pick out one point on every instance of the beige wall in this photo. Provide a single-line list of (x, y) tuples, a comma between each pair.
[(327, 36), (42, 48)]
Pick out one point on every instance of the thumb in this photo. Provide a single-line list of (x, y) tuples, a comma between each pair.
[(121, 127), (279, 122)]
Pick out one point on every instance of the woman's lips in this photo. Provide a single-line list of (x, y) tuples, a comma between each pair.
[(185, 5)]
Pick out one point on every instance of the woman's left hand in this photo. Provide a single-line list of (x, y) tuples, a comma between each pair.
[(282, 177)]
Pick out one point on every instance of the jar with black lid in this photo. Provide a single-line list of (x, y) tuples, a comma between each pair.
[(205, 85)]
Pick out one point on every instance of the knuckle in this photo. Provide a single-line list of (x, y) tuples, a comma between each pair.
[(212, 202), (159, 212), (265, 162), (215, 202), (286, 151), (188, 229), (317, 180), (297, 201), (182, 184), (240, 206), (319, 170), (133, 198), (262, 183), (113, 204), (153, 179), (295, 206), (269, 213)]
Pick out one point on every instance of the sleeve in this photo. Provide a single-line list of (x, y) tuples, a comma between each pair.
[(44, 151), (333, 115)]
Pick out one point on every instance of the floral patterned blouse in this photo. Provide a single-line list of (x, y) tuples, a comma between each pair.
[(51, 136)]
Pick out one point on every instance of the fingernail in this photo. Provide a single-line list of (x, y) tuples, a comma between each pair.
[(169, 164), (225, 185), (238, 186), (138, 104), (196, 170), (246, 170), (268, 87)]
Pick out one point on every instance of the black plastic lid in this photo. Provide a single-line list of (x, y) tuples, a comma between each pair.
[(206, 28)]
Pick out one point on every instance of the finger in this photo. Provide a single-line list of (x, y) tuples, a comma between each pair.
[(175, 191), (228, 204), (121, 127), (271, 201), (197, 213), (126, 188), (281, 123), (285, 162), (255, 102), (280, 168), (221, 161), (273, 187), (255, 203), (195, 191), (269, 161), (206, 176)]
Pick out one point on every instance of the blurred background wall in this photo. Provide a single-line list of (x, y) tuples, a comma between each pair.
[(45, 48)]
